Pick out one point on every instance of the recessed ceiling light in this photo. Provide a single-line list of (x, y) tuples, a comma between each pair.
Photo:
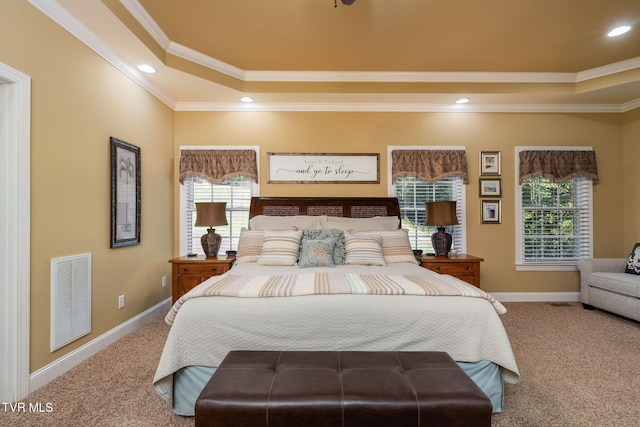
[(246, 99), (146, 68), (618, 31), (462, 100)]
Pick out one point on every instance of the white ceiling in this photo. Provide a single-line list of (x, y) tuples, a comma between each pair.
[(375, 55)]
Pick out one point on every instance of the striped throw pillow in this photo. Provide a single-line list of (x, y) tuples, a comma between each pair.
[(280, 247), (396, 246), (249, 246), (362, 249)]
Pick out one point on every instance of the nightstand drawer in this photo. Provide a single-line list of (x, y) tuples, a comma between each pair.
[(452, 269), (202, 270)]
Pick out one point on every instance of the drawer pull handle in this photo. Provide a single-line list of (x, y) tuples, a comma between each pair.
[(466, 267), (185, 269), (437, 267), (214, 268)]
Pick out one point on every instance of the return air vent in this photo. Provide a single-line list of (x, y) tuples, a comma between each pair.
[(70, 299)]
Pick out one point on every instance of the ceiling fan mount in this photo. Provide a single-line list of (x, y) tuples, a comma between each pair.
[(344, 2)]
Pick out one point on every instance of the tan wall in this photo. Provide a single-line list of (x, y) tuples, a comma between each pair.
[(79, 101), (631, 152), (374, 132)]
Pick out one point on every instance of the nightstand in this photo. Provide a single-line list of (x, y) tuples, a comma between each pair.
[(464, 267), (188, 272)]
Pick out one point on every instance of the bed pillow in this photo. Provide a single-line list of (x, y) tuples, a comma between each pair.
[(633, 262), (280, 247), (293, 222), (396, 246), (316, 253), (362, 249), (249, 246), (363, 224), (329, 233)]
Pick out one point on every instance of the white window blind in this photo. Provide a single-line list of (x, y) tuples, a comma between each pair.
[(237, 192), (412, 195), (556, 220)]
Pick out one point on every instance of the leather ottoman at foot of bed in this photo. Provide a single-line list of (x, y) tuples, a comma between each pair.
[(326, 388)]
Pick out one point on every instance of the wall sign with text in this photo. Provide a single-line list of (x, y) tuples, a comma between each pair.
[(352, 168)]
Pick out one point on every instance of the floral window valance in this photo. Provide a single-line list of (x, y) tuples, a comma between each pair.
[(429, 165), (217, 166), (558, 165)]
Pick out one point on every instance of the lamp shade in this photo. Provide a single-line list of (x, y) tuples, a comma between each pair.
[(441, 213), (210, 214)]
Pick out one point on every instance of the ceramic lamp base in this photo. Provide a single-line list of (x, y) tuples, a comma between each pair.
[(211, 242), (441, 242)]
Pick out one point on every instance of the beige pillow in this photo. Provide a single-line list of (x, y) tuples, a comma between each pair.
[(363, 224), (363, 249), (280, 247), (249, 246), (293, 222), (396, 246)]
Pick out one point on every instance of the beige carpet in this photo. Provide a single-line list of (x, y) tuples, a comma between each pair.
[(578, 368)]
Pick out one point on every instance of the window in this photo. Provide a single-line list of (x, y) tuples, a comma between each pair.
[(236, 192), (412, 195), (554, 223)]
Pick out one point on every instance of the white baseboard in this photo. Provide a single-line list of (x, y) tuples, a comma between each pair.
[(59, 366), (536, 296)]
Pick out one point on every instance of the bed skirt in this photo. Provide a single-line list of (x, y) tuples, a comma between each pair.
[(188, 383)]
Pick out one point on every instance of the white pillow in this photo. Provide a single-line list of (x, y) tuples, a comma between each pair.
[(249, 246), (364, 224), (363, 249), (280, 247), (396, 246), (293, 222)]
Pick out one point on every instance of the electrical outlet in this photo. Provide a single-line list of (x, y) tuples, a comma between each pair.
[(121, 301), (164, 281)]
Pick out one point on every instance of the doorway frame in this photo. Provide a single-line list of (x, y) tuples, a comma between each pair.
[(15, 224)]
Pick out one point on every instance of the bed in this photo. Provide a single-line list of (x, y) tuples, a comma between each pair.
[(330, 274)]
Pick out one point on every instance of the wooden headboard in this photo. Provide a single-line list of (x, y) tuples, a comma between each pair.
[(351, 207)]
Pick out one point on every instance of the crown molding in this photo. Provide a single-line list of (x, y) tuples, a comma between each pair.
[(63, 18), (205, 60), (142, 16), (605, 70), (397, 107)]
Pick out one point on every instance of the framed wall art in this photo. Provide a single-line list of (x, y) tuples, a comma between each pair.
[(490, 187), (491, 212), (325, 168), (490, 163), (125, 193)]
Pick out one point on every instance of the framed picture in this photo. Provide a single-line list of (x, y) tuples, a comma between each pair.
[(324, 168), (491, 212), (490, 163), (125, 193), (490, 187)]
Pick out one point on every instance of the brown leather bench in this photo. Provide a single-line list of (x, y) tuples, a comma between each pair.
[(326, 388)]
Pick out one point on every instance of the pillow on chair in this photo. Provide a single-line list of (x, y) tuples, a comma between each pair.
[(633, 262)]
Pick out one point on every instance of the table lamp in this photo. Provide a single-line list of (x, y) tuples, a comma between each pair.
[(441, 214), (210, 214)]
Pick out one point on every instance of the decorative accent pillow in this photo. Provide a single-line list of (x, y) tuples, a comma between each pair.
[(362, 249), (329, 233), (280, 247), (364, 224), (316, 253), (249, 246), (293, 222), (396, 246), (633, 262)]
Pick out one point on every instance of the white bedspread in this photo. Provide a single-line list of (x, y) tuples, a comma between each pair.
[(206, 328)]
